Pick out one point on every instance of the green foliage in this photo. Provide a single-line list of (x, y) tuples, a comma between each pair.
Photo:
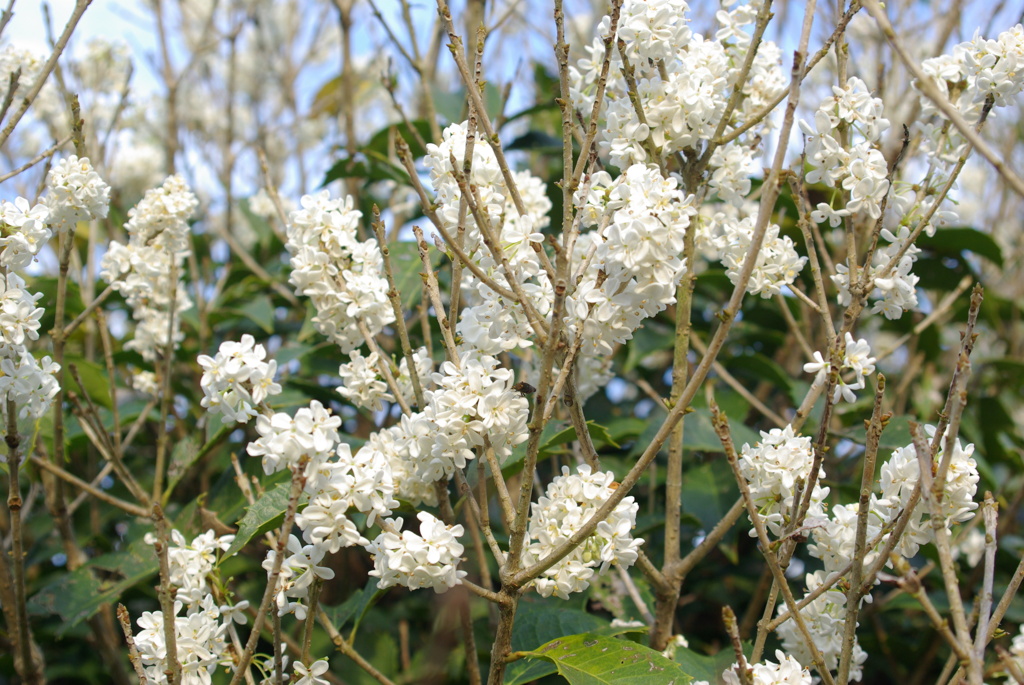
[(591, 659)]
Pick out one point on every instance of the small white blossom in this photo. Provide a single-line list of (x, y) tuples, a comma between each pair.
[(429, 559), (237, 380), (76, 193)]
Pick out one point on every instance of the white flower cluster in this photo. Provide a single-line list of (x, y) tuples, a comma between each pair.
[(362, 481), (429, 559), (776, 469), (19, 315), (76, 193), (684, 81), (340, 274), (834, 542), (237, 380), (859, 168), (856, 358), (977, 69), (641, 219), (895, 288), (298, 571), (306, 440), (192, 562), (569, 502), (364, 387), (727, 237), (900, 474), (490, 323), (472, 406), (203, 634), (787, 672), (394, 445), (201, 637), (24, 380), (27, 381), (825, 618), (147, 271), (23, 232)]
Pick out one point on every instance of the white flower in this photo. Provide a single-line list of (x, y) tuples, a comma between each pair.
[(298, 571), (362, 385), (23, 232), (306, 439), (341, 275), (825, 618), (787, 672), (856, 359), (570, 501), (900, 473), (311, 675), (237, 380), (429, 559), (777, 468), (148, 270), (76, 193)]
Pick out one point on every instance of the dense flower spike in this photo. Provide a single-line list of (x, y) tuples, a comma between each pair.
[(341, 275), (147, 270), (570, 500)]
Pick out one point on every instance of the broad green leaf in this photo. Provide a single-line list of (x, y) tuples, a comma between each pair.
[(763, 368), (537, 141), (540, 622), (590, 659), (708, 491), (649, 338), (598, 434), (259, 310), (77, 595), (704, 667), (94, 378), (957, 239), (291, 352), (355, 607), (263, 515)]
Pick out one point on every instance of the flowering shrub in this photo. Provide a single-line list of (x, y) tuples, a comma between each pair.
[(683, 331)]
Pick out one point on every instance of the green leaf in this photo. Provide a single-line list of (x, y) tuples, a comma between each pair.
[(708, 491), (77, 595), (355, 607), (958, 239), (259, 310), (94, 378), (188, 452), (598, 434), (263, 515), (540, 622), (704, 667), (590, 659), (649, 338)]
